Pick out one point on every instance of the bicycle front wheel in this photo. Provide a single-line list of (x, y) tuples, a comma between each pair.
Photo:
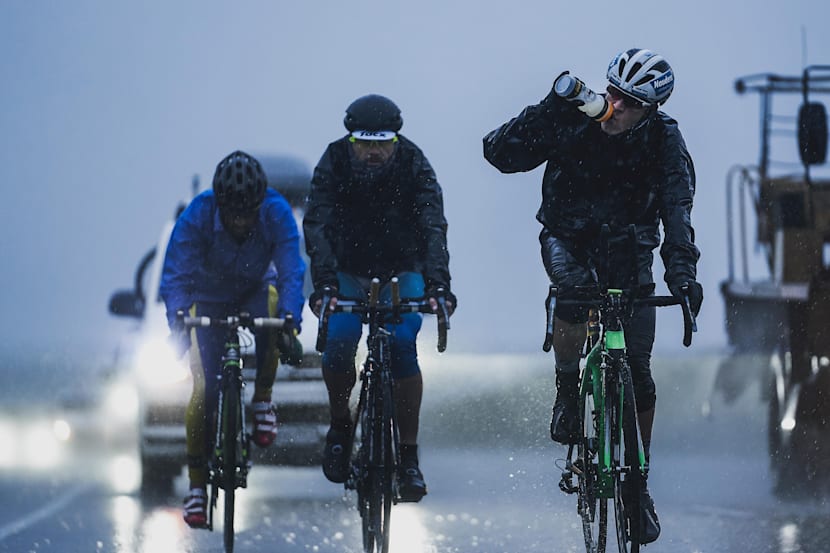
[(628, 479), (375, 488), (231, 436), (592, 508)]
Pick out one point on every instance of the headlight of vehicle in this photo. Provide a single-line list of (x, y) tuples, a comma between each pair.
[(121, 402), (158, 365)]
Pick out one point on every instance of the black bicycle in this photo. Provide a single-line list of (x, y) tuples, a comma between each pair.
[(376, 453), (610, 462), (230, 460)]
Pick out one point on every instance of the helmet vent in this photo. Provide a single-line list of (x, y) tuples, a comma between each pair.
[(635, 69)]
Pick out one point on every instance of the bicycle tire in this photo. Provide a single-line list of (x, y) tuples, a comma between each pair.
[(592, 508), (380, 482), (366, 483), (375, 523), (627, 489), (230, 439), (388, 468)]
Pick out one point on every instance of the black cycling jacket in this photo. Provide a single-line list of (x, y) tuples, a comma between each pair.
[(641, 177), (377, 230)]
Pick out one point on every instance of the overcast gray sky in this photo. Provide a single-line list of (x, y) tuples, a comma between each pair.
[(109, 108)]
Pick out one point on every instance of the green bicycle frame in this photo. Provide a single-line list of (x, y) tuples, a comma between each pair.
[(610, 348)]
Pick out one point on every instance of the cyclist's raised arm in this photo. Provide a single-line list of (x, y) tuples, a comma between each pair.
[(317, 222), (530, 138)]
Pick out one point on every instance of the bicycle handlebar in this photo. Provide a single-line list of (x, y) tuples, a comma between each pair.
[(232, 321), (592, 296), (373, 308)]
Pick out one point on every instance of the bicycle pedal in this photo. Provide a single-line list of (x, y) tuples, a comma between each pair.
[(566, 483)]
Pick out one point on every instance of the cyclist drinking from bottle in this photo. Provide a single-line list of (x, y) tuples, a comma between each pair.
[(234, 249), (375, 210), (626, 164)]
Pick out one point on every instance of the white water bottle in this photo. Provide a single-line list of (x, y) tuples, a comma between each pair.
[(589, 102)]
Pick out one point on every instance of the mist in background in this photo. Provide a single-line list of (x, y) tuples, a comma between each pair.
[(110, 108)]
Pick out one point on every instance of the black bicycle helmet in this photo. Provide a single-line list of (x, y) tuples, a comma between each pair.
[(239, 183), (642, 74), (373, 112)]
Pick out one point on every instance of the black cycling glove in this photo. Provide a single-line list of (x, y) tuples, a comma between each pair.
[(440, 291), (291, 350), (318, 294), (690, 289)]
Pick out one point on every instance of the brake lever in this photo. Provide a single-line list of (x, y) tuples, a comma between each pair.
[(689, 322), (550, 309), (443, 321), (323, 323)]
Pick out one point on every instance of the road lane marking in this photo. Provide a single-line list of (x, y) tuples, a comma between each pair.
[(48, 510)]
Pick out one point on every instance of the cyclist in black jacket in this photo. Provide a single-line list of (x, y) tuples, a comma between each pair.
[(632, 168), (375, 210)]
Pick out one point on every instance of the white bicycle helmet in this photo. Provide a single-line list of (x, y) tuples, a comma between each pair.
[(643, 75)]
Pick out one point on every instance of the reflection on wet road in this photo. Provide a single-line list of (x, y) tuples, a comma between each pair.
[(491, 474)]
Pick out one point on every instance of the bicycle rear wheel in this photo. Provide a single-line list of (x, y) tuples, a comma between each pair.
[(627, 481), (592, 508), (231, 436)]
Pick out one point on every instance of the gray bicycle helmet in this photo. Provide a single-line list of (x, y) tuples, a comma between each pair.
[(373, 112), (643, 75), (239, 183)]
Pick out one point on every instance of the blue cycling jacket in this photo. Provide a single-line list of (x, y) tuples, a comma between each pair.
[(204, 263)]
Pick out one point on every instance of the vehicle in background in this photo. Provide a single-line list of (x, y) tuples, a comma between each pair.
[(164, 383), (778, 323)]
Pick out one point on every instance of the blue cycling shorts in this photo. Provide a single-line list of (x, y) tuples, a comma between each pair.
[(345, 329)]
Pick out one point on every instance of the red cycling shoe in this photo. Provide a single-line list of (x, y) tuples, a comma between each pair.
[(195, 508), (265, 423)]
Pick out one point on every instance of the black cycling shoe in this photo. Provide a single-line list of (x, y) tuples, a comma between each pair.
[(411, 485), (649, 523), (564, 421), (336, 455)]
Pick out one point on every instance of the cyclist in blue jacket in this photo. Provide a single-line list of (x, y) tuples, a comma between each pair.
[(631, 168), (235, 248)]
